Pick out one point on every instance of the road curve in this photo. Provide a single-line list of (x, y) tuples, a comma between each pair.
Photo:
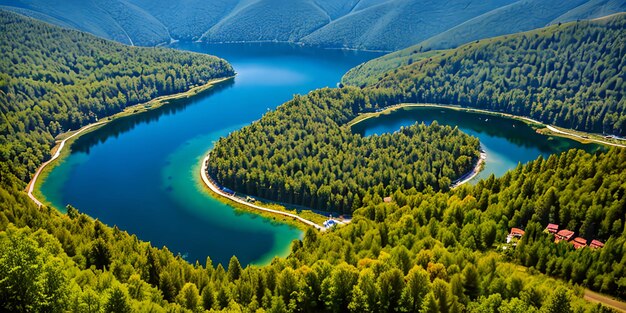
[(216, 189), (554, 129), (31, 185)]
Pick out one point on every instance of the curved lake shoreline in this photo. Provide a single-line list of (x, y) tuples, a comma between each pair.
[(67, 138), (507, 141), (565, 133), (140, 173)]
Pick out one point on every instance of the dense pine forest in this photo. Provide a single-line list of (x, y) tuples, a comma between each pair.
[(570, 75), (428, 250), (425, 251), (53, 80), (305, 157)]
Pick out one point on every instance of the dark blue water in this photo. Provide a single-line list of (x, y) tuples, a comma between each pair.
[(141, 173)]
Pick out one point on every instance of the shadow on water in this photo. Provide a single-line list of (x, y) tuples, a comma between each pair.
[(122, 125)]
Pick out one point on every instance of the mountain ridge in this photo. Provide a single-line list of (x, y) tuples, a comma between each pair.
[(385, 25)]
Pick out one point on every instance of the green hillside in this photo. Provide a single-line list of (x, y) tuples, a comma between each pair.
[(53, 80), (366, 24), (268, 20), (369, 73), (569, 75), (516, 17), (115, 20), (592, 9), (187, 19), (524, 15), (393, 25)]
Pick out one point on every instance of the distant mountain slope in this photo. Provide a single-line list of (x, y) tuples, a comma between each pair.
[(362, 24), (395, 24), (187, 19), (593, 9), (269, 20), (522, 16), (116, 20)]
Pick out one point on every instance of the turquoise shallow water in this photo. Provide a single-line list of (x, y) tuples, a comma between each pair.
[(507, 142), (141, 173)]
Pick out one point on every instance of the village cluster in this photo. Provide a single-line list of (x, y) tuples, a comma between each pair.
[(559, 235)]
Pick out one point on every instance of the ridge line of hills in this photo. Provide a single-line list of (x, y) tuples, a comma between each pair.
[(384, 25)]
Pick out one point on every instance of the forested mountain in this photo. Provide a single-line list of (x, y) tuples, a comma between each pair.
[(571, 75), (53, 80), (362, 24)]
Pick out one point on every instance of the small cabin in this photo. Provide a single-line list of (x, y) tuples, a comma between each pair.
[(552, 228), (579, 242), (596, 244), (515, 233), (564, 234), (387, 199)]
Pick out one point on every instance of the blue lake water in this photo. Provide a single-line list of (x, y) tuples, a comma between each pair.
[(507, 142), (141, 173)]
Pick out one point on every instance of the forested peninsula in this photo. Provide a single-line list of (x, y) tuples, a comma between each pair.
[(570, 75), (426, 250), (302, 155)]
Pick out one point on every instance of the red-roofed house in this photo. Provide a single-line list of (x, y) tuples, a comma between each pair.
[(515, 233), (596, 244), (564, 234), (579, 242), (552, 228)]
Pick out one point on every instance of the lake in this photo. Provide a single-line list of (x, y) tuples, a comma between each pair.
[(507, 142), (141, 173)]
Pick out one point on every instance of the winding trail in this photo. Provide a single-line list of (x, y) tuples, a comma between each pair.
[(558, 131), (31, 185), (606, 300), (209, 183)]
